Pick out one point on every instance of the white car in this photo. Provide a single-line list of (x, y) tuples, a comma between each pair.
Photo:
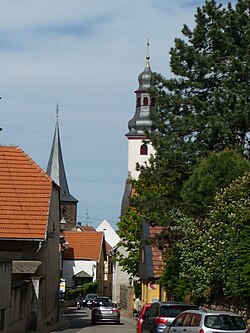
[(207, 321)]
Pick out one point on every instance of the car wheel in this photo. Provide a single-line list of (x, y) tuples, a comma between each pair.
[(93, 322)]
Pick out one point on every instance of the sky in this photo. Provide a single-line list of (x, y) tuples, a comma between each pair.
[(86, 55)]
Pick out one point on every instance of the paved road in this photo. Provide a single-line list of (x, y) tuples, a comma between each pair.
[(78, 321)]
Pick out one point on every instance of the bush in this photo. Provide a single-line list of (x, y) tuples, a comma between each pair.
[(87, 288)]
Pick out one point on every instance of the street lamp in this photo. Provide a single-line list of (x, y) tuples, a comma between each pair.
[(62, 224)]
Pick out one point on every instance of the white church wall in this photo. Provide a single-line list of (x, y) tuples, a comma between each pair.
[(135, 157)]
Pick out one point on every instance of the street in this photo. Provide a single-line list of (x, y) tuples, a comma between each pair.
[(78, 321)]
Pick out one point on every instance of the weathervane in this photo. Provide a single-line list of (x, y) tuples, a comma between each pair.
[(147, 55), (57, 109)]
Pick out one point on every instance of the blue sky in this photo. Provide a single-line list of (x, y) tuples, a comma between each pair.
[(86, 55)]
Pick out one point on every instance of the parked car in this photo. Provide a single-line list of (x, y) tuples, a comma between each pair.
[(140, 318), (162, 313), (207, 321), (88, 300), (104, 310)]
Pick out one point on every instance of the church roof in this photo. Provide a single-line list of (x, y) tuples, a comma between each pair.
[(55, 167), (24, 196)]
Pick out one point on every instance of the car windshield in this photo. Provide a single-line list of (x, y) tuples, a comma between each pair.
[(224, 322), (172, 311), (90, 297)]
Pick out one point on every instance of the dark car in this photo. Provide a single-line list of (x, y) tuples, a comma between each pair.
[(162, 313), (88, 300), (103, 310)]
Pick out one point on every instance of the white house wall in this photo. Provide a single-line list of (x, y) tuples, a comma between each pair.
[(119, 278), (72, 267)]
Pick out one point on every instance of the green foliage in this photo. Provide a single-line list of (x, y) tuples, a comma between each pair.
[(206, 106), (127, 253), (214, 253), (211, 175), (227, 238), (87, 288), (171, 280)]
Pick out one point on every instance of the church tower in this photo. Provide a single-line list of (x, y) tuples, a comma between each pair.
[(138, 150), (55, 169)]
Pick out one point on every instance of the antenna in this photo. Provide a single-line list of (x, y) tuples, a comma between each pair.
[(87, 216)]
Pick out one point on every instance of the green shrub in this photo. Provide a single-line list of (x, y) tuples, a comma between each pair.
[(87, 288)]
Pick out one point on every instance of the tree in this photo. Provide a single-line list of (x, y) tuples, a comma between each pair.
[(206, 105), (212, 174), (227, 239), (129, 228)]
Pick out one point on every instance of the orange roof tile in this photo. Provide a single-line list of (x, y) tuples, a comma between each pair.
[(84, 245), (25, 191)]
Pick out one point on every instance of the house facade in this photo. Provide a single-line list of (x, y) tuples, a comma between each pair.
[(85, 257), (29, 243)]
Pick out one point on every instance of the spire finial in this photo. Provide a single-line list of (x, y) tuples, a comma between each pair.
[(147, 55), (57, 110)]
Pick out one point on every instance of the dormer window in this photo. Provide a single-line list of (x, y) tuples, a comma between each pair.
[(145, 101), (144, 149)]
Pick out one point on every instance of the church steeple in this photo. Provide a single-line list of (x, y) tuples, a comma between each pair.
[(139, 148), (141, 121), (56, 170)]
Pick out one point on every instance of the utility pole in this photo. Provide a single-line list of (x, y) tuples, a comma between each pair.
[(87, 216), (1, 128)]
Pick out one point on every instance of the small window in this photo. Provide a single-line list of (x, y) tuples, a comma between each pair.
[(144, 150), (196, 320), (142, 255), (188, 319), (180, 320), (145, 101), (138, 101)]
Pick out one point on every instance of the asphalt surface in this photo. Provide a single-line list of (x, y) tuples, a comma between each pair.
[(63, 323)]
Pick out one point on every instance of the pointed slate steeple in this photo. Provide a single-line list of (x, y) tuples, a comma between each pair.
[(56, 170)]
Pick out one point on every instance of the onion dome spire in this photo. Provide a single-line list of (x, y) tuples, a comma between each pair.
[(141, 121)]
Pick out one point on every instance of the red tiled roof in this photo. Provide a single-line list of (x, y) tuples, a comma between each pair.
[(25, 191), (84, 245)]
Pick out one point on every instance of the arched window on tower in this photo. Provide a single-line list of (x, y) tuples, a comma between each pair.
[(144, 149), (145, 101), (138, 101)]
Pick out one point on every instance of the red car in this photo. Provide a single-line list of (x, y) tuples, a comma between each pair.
[(140, 318)]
